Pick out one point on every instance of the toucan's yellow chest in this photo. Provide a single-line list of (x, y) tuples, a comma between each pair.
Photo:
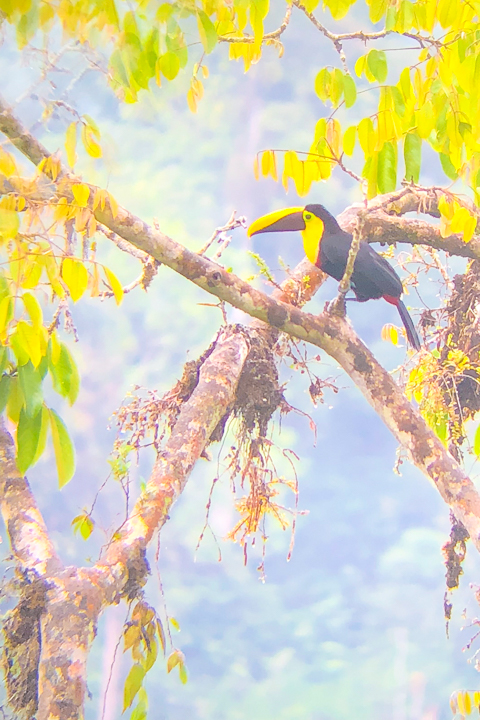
[(312, 237)]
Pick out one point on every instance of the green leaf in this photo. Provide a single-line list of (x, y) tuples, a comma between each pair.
[(336, 88), (387, 168), (377, 64), (28, 439), (349, 90), (65, 377), (412, 151), (377, 10), (63, 447), (448, 167), (5, 383), (152, 652), (139, 712), (322, 84), (3, 359), (31, 383), (169, 65), (84, 525), (133, 683), (206, 29), (15, 401)]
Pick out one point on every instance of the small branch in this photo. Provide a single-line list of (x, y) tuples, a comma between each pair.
[(269, 36), (338, 305), (220, 232), (360, 34)]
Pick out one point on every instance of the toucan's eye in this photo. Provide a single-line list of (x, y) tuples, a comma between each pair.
[(307, 216)]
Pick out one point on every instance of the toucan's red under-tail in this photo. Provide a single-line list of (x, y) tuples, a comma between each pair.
[(412, 335)]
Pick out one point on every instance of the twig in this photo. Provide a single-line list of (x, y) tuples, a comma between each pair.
[(269, 36), (220, 233)]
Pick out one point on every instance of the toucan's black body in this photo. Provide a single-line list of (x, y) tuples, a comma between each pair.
[(373, 277)]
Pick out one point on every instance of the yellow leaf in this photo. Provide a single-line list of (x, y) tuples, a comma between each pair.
[(113, 205), (91, 145), (81, 193), (30, 341), (94, 281), (33, 308), (256, 168), (266, 159), (192, 101), (7, 164), (115, 284), (6, 314), (446, 207), (75, 276), (469, 228), (71, 143), (349, 140), (82, 217), (390, 334), (32, 272), (53, 274)]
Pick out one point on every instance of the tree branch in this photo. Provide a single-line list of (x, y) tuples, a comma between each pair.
[(26, 528), (211, 400)]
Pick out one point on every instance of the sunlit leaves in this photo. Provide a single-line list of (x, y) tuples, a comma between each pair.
[(63, 371), (456, 218), (115, 284), (463, 703), (63, 448), (333, 85), (169, 65), (9, 223), (31, 438), (207, 32), (412, 151), (133, 683), (75, 276), (83, 524), (387, 168)]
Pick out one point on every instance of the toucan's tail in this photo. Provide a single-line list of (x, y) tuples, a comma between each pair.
[(412, 334)]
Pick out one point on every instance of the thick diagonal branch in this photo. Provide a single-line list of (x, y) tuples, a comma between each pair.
[(211, 400)]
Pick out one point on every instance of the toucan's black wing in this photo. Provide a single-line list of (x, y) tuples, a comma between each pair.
[(373, 276)]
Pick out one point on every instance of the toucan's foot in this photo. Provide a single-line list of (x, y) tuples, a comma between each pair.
[(338, 306)]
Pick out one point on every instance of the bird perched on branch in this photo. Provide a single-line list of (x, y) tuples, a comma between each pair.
[(327, 246)]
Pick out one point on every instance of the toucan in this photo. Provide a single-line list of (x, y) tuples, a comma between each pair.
[(327, 245)]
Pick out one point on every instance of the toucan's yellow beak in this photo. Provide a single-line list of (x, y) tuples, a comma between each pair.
[(279, 221)]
